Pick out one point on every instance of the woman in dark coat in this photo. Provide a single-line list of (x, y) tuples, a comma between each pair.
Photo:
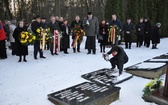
[(103, 32), (156, 36), (65, 40), (21, 50)]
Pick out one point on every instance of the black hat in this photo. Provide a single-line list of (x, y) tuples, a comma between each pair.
[(89, 13)]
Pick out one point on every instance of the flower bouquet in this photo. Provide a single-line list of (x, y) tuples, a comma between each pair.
[(78, 33), (152, 86), (27, 38), (46, 32), (113, 33)]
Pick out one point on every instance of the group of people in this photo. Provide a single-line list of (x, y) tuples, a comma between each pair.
[(107, 33), (143, 30)]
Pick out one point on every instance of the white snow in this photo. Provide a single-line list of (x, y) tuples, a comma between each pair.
[(160, 60), (29, 83), (146, 65)]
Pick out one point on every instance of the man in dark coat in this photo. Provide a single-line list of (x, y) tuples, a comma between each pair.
[(119, 58), (3, 54), (148, 29), (76, 22), (91, 27), (156, 36), (128, 30), (118, 23), (53, 25), (140, 28), (65, 40), (34, 26)]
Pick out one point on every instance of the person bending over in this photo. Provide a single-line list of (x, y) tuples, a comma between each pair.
[(119, 58)]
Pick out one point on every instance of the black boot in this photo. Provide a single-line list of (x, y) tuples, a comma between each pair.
[(78, 47), (74, 50), (20, 58), (89, 51), (24, 59)]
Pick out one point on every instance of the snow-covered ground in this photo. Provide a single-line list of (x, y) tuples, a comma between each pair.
[(29, 83)]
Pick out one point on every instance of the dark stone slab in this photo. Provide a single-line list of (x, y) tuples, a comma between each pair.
[(105, 76), (148, 72), (85, 94)]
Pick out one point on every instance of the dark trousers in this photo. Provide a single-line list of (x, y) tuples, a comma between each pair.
[(37, 49), (102, 47), (47, 46), (147, 40), (139, 40), (128, 40), (78, 48), (52, 48), (3, 54), (114, 61), (13, 47), (91, 44)]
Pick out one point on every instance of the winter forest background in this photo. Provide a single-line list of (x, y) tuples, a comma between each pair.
[(155, 10)]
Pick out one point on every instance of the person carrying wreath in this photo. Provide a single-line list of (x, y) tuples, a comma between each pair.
[(21, 50), (78, 25)]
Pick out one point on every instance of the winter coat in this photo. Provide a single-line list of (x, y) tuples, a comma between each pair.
[(148, 28), (2, 32), (6, 28), (140, 26), (65, 41), (156, 35), (53, 26), (11, 29), (117, 23), (121, 57), (128, 27), (75, 23), (34, 26), (93, 27), (105, 36), (20, 49), (44, 25)]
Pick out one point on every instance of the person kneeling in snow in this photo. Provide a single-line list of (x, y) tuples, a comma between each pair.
[(119, 58)]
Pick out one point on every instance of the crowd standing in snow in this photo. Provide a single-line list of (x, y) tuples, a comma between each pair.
[(108, 34)]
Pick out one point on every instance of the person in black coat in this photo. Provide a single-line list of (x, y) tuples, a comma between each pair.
[(103, 32), (119, 58), (65, 40), (117, 22), (76, 22), (140, 28), (148, 29), (21, 50), (128, 30), (53, 25), (34, 26), (156, 36)]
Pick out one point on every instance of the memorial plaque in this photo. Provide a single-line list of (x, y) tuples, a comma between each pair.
[(85, 94), (147, 69), (106, 77)]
